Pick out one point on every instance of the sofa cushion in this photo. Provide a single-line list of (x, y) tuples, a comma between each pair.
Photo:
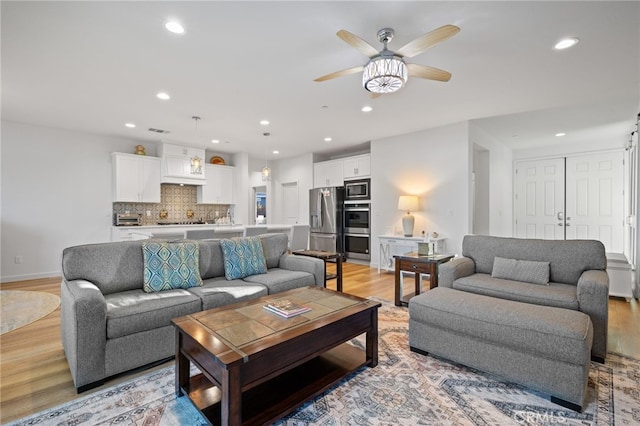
[(243, 257), (134, 311), (555, 294), (170, 265), (211, 259), (527, 271), (274, 246), (277, 280), (219, 291)]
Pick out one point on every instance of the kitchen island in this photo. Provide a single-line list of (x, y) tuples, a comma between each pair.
[(177, 231)]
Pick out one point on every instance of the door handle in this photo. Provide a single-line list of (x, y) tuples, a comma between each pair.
[(560, 216)]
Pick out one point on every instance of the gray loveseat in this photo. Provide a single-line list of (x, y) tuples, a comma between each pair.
[(109, 325), (577, 277)]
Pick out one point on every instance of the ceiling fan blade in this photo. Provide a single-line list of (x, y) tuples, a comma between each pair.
[(355, 41), (430, 73), (340, 73), (428, 40)]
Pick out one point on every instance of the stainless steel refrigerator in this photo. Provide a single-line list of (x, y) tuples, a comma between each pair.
[(325, 218)]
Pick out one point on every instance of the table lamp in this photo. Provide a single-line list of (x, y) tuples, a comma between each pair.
[(408, 203)]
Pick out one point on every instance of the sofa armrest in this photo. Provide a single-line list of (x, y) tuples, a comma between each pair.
[(304, 263), (593, 300), (456, 268), (83, 327)]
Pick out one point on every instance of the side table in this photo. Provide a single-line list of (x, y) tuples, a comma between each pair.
[(419, 264), (324, 256)]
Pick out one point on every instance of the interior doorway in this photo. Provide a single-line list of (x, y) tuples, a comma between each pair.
[(260, 205), (290, 203), (480, 192)]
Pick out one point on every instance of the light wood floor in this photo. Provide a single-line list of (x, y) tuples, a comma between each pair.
[(34, 374)]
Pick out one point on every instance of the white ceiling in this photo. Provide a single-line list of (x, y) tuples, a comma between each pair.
[(93, 66)]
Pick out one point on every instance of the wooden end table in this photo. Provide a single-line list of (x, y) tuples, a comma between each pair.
[(418, 264), (326, 255), (257, 367)]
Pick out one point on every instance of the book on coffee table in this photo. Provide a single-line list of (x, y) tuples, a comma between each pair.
[(286, 308)]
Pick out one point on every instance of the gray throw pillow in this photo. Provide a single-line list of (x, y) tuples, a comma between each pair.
[(527, 271)]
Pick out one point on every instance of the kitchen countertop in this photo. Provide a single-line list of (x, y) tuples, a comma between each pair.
[(121, 233), (195, 225)]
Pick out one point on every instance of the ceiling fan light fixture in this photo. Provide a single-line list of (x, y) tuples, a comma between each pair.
[(385, 74)]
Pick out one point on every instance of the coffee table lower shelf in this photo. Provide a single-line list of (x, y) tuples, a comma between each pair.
[(282, 394)]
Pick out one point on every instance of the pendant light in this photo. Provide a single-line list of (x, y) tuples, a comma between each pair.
[(266, 171), (196, 162)]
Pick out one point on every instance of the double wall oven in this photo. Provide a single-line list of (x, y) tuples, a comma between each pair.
[(357, 219)]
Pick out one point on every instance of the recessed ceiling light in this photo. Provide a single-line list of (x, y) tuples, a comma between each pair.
[(130, 125), (215, 141), (566, 43), (560, 134), (264, 122), (163, 96), (327, 139), (276, 152), (174, 27), (367, 108)]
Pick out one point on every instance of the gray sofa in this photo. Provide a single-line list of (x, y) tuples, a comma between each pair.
[(109, 325), (577, 277)]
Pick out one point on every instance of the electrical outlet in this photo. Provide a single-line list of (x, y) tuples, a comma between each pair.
[(18, 260)]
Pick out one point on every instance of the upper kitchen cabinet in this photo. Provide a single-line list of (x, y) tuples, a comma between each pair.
[(182, 165), (328, 173), (136, 178), (357, 166), (219, 185)]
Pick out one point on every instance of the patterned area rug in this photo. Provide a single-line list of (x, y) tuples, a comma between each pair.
[(405, 388), (19, 308)]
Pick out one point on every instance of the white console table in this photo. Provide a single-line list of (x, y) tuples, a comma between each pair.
[(391, 245)]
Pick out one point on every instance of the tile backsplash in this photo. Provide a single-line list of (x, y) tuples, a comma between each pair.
[(175, 200)]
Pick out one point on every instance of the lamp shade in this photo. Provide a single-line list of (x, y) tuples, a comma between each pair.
[(408, 203)]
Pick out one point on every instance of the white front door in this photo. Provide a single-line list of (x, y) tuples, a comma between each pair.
[(577, 197), (595, 199), (539, 199)]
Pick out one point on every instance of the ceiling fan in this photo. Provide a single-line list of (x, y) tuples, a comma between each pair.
[(386, 71)]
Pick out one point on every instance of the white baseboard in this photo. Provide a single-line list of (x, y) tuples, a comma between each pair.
[(14, 278)]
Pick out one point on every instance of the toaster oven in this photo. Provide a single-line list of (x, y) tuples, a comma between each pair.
[(128, 219)]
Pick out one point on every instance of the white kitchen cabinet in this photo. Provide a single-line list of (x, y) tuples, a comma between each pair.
[(328, 173), (218, 188), (136, 178), (357, 166)]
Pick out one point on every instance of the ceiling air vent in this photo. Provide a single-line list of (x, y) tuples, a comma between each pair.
[(151, 129)]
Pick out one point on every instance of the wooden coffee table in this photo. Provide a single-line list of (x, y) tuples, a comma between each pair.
[(257, 367)]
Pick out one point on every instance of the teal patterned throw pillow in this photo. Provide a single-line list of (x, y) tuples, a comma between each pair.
[(243, 257), (168, 266)]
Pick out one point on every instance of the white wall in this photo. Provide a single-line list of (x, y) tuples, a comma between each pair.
[(56, 192), (433, 164), (500, 181)]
